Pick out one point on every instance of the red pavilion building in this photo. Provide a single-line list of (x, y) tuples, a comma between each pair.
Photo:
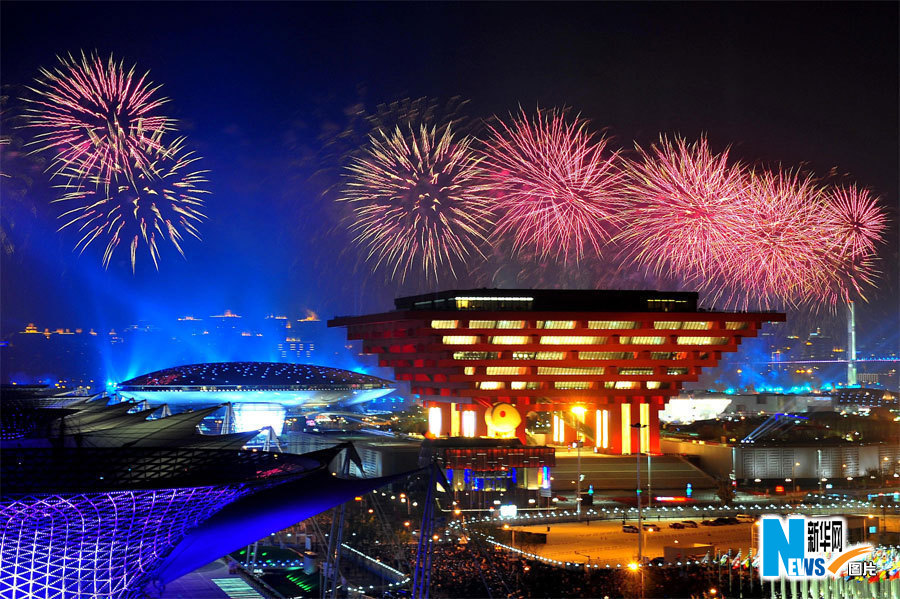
[(591, 365)]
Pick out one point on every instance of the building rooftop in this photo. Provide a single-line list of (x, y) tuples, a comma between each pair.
[(254, 375), (555, 300)]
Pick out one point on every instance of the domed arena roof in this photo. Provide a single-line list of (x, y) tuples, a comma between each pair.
[(254, 375)]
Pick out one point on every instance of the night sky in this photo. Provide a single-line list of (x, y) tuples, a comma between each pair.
[(254, 86)]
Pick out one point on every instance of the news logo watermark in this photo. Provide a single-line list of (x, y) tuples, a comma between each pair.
[(802, 548)]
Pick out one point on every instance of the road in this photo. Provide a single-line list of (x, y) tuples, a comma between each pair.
[(605, 542)]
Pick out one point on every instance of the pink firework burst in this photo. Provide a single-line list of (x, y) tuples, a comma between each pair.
[(555, 185), (782, 253), (97, 119), (417, 201), (685, 206), (162, 201), (854, 225), (857, 220)]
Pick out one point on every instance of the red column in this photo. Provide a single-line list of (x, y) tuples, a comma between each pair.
[(570, 435), (480, 425), (655, 407), (615, 426)]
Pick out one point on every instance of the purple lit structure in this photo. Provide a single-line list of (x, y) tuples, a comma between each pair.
[(118, 520)]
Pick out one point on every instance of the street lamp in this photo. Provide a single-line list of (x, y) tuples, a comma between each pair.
[(578, 411), (639, 426)]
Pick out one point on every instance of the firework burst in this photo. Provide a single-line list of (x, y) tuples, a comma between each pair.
[(97, 119), (416, 201), (782, 251), (555, 184), (854, 225), (764, 238), (857, 219), (162, 201), (684, 209)]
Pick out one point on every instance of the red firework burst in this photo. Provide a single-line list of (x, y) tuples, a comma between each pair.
[(749, 238), (97, 118), (854, 225), (555, 184), (162, 201), (783, 248), (857, 220), (685, 207), (416, 201)]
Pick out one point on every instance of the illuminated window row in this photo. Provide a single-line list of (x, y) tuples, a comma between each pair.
[(606, 355), (612, 324), (668, 355), (510, 339), (571, 340), (702, 340), (556, 324), (642, 340), (506, 370), (582, 355), (636, 371), (571, 385), (475, 355), (494, 385), (592, 324), (621, 385), (581, 340), (548, 370), (490, 385), (460, 339), (540, 355), (690, 325)]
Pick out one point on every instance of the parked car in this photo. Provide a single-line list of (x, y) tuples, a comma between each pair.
[(745, 518), (629, 528), (708, 523), (676, 525), (651, 527), (689, 523)]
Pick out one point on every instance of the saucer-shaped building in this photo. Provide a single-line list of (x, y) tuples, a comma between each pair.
[(260, 394), (104, 500)]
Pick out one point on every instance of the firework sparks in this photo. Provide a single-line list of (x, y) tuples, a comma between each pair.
[(685, 208), (556, 186), (97, 119), (416, 200), (782, 258), (162, 201), (747, 237), (858, 221)]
